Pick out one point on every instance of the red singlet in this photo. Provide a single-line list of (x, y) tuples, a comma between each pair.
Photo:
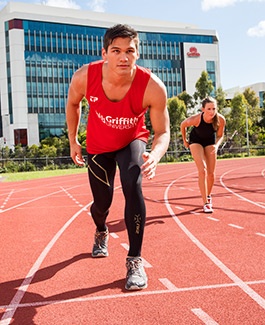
[(113, 125)]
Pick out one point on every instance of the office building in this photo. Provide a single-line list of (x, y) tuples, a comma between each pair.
[(42, 46)]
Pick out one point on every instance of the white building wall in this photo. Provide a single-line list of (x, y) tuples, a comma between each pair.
[(18, 77), (3, 88), (33, 129), (195, 64), (257, 87)]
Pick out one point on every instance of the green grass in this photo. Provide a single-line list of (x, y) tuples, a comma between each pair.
[(14, 177)]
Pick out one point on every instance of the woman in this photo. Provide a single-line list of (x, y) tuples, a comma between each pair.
[(205, 138)]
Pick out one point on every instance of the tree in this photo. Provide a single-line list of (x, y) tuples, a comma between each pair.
[(220, 98), (177, 113), (253, 105), (204, 87), (187, 99), (84, 115), (237, 117), (262, 122)]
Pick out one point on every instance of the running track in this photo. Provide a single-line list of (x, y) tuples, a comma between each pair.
[(202, 269)]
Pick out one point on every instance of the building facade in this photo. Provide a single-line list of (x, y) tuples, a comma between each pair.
[(42, 46), (258, 87)]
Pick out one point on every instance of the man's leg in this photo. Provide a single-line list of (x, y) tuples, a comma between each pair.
[(130, 161), (102, 170)]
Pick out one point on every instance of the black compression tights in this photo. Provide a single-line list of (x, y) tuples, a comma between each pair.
[(102, 168)]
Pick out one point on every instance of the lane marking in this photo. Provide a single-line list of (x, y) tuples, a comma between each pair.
[(203, 316), (238, 195), (145, 263), (211, 218), (241, 284), (194, 212), (235, 226), (125, 295), (179, 208), (114, 235), (6, 200), (35, 199), (168, 284), (9, 313), (260, 234)]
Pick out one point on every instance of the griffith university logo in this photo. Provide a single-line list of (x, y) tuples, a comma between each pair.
[(120, 123), (193, 52), (93, 99)]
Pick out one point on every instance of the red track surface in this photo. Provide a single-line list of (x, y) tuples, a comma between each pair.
[(202, 269)]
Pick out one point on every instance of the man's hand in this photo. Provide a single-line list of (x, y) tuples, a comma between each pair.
[(76, 154), (149, 166)]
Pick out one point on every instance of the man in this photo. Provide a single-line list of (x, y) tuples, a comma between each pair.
[(119, 92)]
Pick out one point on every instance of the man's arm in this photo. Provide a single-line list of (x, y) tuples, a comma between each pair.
[(156, 98), (76, 92)]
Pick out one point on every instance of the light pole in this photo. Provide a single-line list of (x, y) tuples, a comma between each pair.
[(246, 107)]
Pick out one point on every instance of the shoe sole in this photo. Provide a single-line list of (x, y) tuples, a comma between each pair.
[(131, 288), (100, 255)]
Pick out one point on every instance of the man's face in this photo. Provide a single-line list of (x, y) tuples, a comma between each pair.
[(121, 55)]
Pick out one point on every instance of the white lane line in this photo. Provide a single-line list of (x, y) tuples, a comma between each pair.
[(194, 212), (169, 285), (211, 218), (126, 246), (35, 199), (241, 284), (9, 313), (238, 195), (260, 234), (114, 235), (145, 263), (7, 316), (125, 295), (6, 200), (203, 316), (179, 208), (235, 226)]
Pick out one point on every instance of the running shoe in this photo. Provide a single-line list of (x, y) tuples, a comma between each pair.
[(100, 247), (136, 278), (209, 199), (207, 208)]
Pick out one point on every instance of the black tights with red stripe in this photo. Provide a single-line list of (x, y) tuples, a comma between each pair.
[(101, 171)]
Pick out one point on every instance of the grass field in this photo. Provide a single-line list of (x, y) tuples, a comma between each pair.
[(14, 177)]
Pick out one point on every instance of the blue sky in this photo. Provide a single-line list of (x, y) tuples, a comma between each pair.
[(240, 25)]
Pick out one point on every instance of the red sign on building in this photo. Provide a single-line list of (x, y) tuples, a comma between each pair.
[(193, 52)]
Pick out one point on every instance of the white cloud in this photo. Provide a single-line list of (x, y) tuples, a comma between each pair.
[(61, 3), (97, 5), (258, 31), (210, 4)]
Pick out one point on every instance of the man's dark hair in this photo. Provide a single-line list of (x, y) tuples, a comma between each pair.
[(120, 30)]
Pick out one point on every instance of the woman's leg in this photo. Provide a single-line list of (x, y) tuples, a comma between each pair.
[(197, 152), (210, 160), (130, 160)]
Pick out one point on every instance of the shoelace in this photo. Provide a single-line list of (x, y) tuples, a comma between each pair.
[(99, 237), (133, 266)]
